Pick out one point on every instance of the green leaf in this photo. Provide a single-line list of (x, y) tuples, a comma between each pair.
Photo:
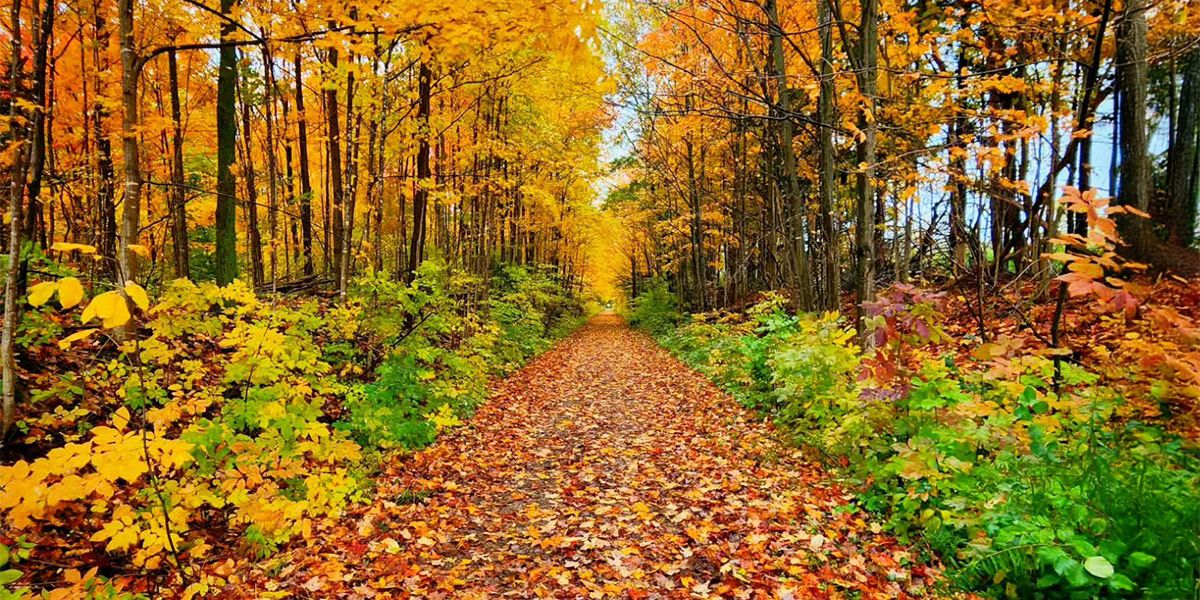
[(1083, 547), (3, 555), (1076, 576), (1099, 566), (1112, 550), (1052, 554), (9, 576), (1048, 580), (1122, 583), (1141, 560)]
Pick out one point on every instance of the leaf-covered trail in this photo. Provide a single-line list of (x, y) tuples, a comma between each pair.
[(604, 469)]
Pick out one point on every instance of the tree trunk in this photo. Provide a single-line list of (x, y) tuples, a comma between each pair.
[(253, 233), (343, 258), (421, 193), (1180, 215), (16, 192), (178, 208), (958, 184), (272, 162), (865, 228), (335, 167), (106, 212), (803, 278), (226, 260), (833, 272), (306, 193), (1135, 160), (44, 27), (132, 209), (695, 222)]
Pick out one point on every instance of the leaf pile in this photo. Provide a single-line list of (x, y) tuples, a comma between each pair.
[(604, 469)]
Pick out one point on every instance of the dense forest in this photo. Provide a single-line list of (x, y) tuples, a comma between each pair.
[(296, 293), (926, 139)]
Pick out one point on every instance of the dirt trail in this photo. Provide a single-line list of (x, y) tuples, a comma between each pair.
[(606, 469)]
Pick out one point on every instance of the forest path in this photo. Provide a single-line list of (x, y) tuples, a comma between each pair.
[(606, 469)]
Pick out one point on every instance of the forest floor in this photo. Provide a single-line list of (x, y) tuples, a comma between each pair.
[(604, 469)]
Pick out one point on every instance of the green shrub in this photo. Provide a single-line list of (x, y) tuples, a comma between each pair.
[(1016, 480), (656, 310), (391, 411), (440, 357)]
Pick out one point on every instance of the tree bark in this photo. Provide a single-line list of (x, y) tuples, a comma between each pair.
[(1135, 160), (42, 26), (226, 262), (694, 223), (16, 192), (958, 174), (306, 193), (178, 208), (421, 193), (132, 208), (37, 134), (833, 278), (787, 130), (269, 93), (352, 180), (253, 233), (106, 212), (865, 213), (1181, 158), (335, 167)]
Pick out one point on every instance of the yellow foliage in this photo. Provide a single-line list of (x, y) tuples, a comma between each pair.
[(70, 292), (40, 293), (110, 307), (138, 294)]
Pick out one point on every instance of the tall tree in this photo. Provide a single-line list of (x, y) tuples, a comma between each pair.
[(306, 192), (1180, 216), (16, 193), (253, 232), (131, 210), (825, 166), (421, 185), (226, 260), (268, 102), (334, 163), (178, 207), (868, 52), (1132, 88), (105, 227), (44, 28), (787, 132)]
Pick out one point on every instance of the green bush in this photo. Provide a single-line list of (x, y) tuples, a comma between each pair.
[(440, 357), (656, 310), (1015, 480), (391, 411)]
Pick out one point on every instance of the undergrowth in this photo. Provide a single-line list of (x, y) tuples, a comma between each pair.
[(217, 418), (1013, 470)]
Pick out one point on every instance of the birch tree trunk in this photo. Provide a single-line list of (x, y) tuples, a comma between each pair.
[(16, 192)]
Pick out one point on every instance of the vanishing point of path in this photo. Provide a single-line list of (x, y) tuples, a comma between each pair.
[(606, 469)]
